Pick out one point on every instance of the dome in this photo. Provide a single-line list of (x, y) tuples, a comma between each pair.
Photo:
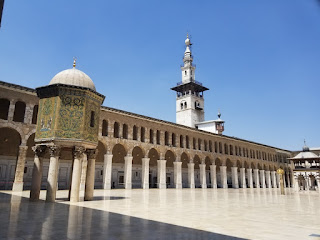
[(73, 77), (187, 41)]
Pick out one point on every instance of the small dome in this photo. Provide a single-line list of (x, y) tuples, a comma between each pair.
[(305, 147), (187, 41), (73, 77)]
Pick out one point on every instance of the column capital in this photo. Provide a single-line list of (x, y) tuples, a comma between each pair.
[(39, 150), (92, 153), (54, 151), (78, 151)]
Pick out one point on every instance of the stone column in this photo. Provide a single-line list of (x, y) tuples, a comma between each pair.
[(52, 182), (11, 109), (191, 182), (76, 174), (107, 171), (296, 184), (177, 175), (162, 174), (243, 183), (91, 167), (262, 179), (37, 172), (288, 180), (203, 177), (84, 165), (145, 173), (256, 178), (18, 177), (223, 173), (249, 175), (128, 172), (28, 114), (268, 179), (213, 171), (234, 175), (318, 183), (277, 180), (273, 179)]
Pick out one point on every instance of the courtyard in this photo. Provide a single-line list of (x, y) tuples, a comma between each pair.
[(164, 214)]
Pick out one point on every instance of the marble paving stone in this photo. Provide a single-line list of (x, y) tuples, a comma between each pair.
[(163, 214)]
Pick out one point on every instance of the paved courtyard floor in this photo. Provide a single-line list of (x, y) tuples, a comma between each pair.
[(164, 214)]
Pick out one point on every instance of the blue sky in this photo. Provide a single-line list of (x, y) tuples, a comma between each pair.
[(260, 59)]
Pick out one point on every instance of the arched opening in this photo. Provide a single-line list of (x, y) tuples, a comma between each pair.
[(19, 111), (225, 148), (173, 140), (118, 152), (199, 144), (104, 128), (166, 138), (98, 184), (116, 130), (207, 161), (220, 147), (197, 162), (194, 143), (35, 114), (185, 160), (4, 108), (229, 174), (158, 137), (154, 157), (151, 136), (181, 141), (137, 155), (187, 142), (218, 173), (210, 146), (231, 149), (143, 131), (135, 133), (125, 131), (170, 157)]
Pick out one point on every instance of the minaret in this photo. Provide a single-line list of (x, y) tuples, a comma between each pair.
[(190, 101)]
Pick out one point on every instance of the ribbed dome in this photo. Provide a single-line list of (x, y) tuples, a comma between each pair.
[(73, 77)]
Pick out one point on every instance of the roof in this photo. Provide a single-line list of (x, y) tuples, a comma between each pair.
[(193, 86), (305, 156)]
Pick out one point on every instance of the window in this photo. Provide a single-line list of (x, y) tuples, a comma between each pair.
[(135, 132), (142, 134), (151, 136), (199, 144), (19, 111), (187, 141), (125, 131), (194, 144), (166, 138), (185, 105), (92, 119), (4, 108), (34, 114), (158, 137), (104, 128), (116, 130), (181, 141), (181, 106), (185, 73), (173, 140)]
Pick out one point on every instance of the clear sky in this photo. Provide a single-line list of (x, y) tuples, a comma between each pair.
[(260, 59)]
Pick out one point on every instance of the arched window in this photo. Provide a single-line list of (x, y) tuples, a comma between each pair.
[(92, 119), (34, 114), (158, 137), (199, 144), (187, 142), (181, 105), (116, 130), (4, 108), (185, 73), (194, 144), (166, 138), (185, 105), (104, 128), (210, 146), (142, 134), (125, 131), (181, 141), (225, 148), (151, 136), (205, 145), (19, 111), (231, 149), (173, 140), (220, 147), (215, 147), (135, 133)]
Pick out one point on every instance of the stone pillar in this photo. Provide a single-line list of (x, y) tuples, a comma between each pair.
[(223, 173), (52, 182), (262, 179), (256, 178), (268, 179), (277, 180), (234, 175), (91, 167), (249, 175), (213, 172), (107, 171), (191, 182), (84, 165), (243, 183), (11, 109), (18, 177), (318, 183), (273, 179), (296, 184), (76, 174), (162, 174), (37, 172), (177, 175), (28, 114), (145, 173), (128, 172), (288, 180), (203, 177)]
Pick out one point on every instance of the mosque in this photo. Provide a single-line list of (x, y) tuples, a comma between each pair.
[(60, 136)]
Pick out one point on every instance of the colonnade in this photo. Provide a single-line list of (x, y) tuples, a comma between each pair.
[(248, 178)]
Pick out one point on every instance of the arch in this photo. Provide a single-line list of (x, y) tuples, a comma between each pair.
[(116, 130), (231, 149), (185, 160), (166, 138), (170, 157), (4, 108), (104, 128), (35, 114), (253, 166), (158, 137), (238, 164), (118, 152), (137, 154), (101, 152), (19, 111), (10, 140), (229, 174), (125, 131), (196, 161), (199, 144), (208, 162), (259, 166), (265, 167), (154, 155), (135, 133), (246, 165), (181, 141), (187, 142), (143, 135)]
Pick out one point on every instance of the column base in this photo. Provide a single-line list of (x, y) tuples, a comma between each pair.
[(204, 186), (192, 186), (128, 186), (145, 186), (162, 186), (178, 186), (17, 187)]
